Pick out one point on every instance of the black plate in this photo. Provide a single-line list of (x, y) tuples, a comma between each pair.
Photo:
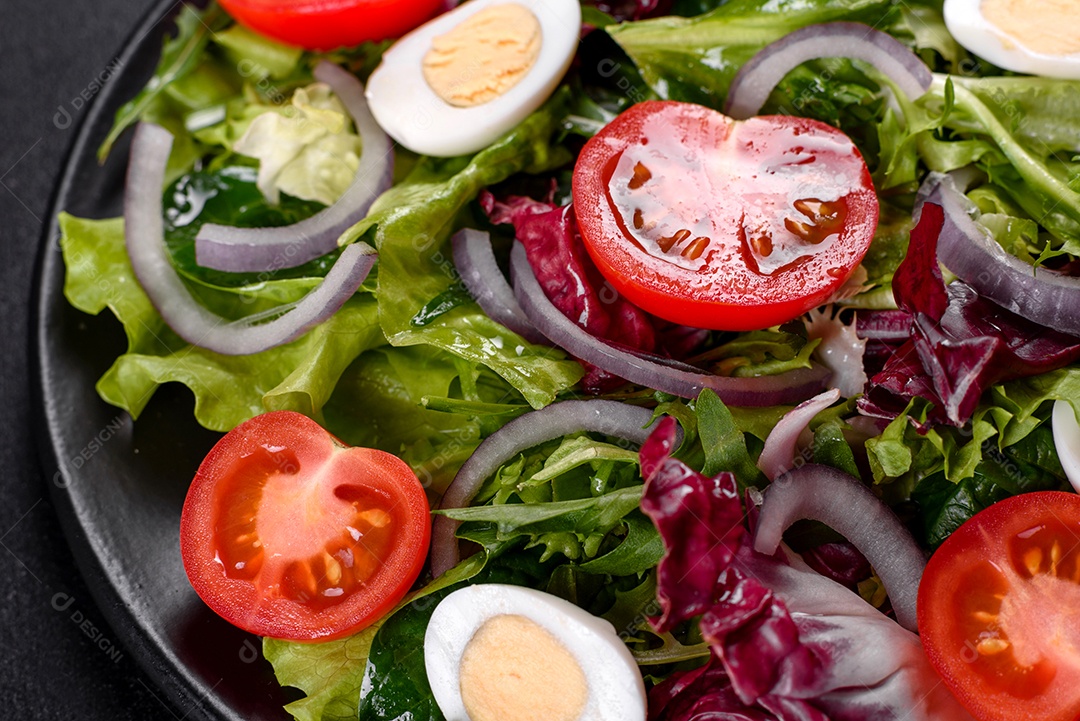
[(119, 486)]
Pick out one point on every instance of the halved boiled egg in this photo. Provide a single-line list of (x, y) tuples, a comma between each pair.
[(1067, 441), (505, 653), (454, 85), (1039, 37)]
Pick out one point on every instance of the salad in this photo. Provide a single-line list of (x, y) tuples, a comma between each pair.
[(589, 360)]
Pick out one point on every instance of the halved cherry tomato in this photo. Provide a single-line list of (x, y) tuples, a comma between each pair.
[(716, 223), (999, 609), (287, 532), (329, 24)]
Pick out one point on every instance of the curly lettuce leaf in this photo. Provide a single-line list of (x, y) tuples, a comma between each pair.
[(298, 376), (307, 149), (411, 224), (695, 59)]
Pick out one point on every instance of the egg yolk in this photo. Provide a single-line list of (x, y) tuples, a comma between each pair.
[(513, 669), (1046, 26), (484, 56)]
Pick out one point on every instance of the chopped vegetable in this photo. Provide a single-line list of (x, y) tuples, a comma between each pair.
[(288, 533), (996, 609), (714, 223), (324, 25)]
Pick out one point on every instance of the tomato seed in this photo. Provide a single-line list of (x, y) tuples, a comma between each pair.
[(1033, 560), (991, 646), (641, 176)]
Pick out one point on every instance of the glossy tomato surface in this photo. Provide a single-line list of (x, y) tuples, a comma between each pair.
[(723, 224), (330, 24), (288, 533), (999, 609)]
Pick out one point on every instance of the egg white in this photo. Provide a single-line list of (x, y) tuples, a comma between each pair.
[(1067, 441), (414, 115), (616, 691), (966, 22)]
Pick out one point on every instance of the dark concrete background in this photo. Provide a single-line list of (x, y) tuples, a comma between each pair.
[(58, 657)]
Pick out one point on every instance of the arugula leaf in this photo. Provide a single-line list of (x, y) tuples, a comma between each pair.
[(179, 57), (511, 520), (724, 443), (831, 448), (638, 552), (229, 196)]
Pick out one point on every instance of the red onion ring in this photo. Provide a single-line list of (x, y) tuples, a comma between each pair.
[(887, 326), (755, 81), (842, 502), (480, 272), (790, 387), (778, 455), (968, 250), (145, 240), (596, 416), (256, 250)]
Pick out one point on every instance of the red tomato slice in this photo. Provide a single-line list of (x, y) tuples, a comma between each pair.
[(286, 532), (723, 224), (999, 609), (330, 24)]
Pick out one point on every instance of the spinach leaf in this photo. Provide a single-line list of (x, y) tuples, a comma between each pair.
[(228, 196), (1029, 465), (723, 442)]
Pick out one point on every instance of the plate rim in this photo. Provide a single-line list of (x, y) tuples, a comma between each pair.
[(183, 691)]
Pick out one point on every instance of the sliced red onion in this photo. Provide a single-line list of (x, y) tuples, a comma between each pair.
[(887, 326), (756, 80), (480, 272), (145, 240), (597, 416), (778, 455), (843, 503), (790, 387), (256, 250), (968, 250)]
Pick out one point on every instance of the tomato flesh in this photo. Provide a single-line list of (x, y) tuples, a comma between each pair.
[(723, 224), (330, 24), (999, 609), (290, 534)]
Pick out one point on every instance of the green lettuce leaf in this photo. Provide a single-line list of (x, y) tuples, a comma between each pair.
[(411, 226), (228, 390), (695, 59)]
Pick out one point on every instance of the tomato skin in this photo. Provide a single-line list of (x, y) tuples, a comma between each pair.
[(735, 280), (998, 609), (279, 499), (330, 24)]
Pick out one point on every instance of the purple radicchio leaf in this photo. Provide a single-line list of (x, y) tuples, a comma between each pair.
[(787, 644), (962, 343), (840, 562), (700, 520), (632, 9)]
